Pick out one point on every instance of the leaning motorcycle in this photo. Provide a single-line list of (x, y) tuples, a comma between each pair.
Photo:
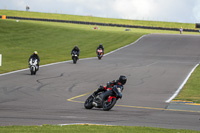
[(74, 56), (33, 66), (105, 100), (99, 53)]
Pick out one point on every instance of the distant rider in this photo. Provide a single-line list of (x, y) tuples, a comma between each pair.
[(100, 47), (181, 30), (121, 81), (35, 56), (75, 49)]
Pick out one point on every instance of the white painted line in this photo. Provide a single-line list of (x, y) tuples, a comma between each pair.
[(0, 59), (84, 124), (42, 66), (182, 85), (71, 60), (125, 46), (13, 72)]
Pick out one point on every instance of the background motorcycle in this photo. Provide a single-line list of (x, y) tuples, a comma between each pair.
[(74, 57), (99, 53), (105, 100), (33, 66)]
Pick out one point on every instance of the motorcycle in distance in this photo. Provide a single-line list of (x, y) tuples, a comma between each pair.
[(105, 100), (33, 65), (74, 56), (99, 53)]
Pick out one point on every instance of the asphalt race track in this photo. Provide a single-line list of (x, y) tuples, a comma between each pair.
[(155, 67)]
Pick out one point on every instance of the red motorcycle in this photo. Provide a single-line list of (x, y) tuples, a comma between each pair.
[(99, 53), (105, 100)]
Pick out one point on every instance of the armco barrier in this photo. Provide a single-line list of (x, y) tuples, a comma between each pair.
[(100, 24)]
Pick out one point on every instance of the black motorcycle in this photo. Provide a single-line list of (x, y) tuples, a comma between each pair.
[(74, 56), (105, 100)]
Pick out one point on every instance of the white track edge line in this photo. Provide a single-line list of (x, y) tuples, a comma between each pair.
[(85, 124), (182, 85), (71, 60)]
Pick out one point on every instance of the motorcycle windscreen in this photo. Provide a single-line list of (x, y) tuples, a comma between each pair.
[(118, 91)]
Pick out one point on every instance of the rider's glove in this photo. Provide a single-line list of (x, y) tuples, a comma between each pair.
[(108, 85), (101, 87)]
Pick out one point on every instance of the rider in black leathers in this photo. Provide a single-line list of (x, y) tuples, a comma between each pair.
[(121, 81), (76, 49), (99, 99), (35, 56)]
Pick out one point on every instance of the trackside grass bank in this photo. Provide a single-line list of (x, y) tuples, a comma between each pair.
[(88, 129), (96, 19), (54, 41), (191, 90)]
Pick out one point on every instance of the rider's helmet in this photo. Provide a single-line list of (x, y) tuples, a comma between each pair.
[(35, 52), (122, 79), (100, 44), (76, 47)]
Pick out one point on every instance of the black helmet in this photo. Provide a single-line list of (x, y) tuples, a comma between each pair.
[(122, 79)]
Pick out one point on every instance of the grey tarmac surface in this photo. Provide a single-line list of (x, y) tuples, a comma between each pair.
[(155, 67)]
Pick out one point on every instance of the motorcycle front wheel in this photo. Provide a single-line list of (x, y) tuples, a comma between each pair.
[(88, 102), (32, 71), (74, 60), (108, 105), (99, 57)]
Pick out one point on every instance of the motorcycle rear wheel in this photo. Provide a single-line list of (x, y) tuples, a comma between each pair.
[(109, 105), (88, 102)]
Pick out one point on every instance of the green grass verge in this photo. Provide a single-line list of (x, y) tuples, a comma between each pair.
[(54, 41), (191, 90), (88, 129), (96, 19)]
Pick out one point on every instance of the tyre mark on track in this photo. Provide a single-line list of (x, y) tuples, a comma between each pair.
[(5, 90), (42, 84)]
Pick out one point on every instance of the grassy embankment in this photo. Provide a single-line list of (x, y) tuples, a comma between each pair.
[(96, 19), (54, 41)]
